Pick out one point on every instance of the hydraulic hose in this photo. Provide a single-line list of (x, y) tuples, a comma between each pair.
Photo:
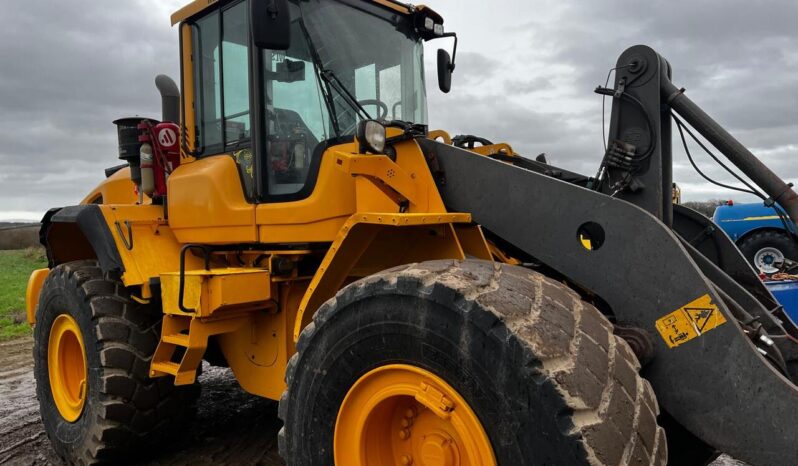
[(739, 155)]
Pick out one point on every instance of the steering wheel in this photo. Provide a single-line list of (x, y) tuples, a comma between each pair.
[(382, 107)]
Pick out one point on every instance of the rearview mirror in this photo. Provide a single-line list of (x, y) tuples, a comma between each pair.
[(444, 71), (287, 71), (270, 24)]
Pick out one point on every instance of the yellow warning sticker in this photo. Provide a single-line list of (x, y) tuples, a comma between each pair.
[(690, 321)]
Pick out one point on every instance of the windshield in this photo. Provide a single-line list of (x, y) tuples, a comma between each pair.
[(348, 60), (373, 54)]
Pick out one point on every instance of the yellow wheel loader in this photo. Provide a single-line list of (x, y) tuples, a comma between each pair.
[(409, 297)]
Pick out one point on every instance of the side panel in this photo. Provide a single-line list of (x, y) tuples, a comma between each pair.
[(116, 189), (741, 220), (144, 242), (207, 203), (316, 218)]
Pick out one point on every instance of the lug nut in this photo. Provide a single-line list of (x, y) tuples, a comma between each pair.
[(406, 460), (404, 434)]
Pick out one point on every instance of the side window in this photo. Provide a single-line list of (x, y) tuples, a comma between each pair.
[(235, 70), (221, 74), (296, 118), (207, 76), (221, 70)]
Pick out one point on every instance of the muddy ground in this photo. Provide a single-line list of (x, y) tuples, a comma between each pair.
[(232, 426)]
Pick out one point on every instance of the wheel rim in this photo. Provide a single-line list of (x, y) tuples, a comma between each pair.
[(66, 360), (404, 415), (766, 258)]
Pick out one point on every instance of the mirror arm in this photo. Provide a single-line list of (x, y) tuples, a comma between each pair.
[(454, 49)]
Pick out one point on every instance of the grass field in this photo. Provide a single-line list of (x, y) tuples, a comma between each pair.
[(15, 268)]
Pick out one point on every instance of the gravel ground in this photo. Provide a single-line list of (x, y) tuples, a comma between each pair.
[(232, 426)]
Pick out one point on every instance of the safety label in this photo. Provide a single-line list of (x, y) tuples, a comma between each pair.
[(690, 321)]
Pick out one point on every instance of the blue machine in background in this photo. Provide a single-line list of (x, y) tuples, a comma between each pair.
[(786, 292), (760, 234)]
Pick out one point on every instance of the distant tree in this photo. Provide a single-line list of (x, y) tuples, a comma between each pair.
[(705, 207)]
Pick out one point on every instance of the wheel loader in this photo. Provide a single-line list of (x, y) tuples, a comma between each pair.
[(409, 297)]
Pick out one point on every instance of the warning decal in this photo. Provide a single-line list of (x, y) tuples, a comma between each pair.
[(690, 321)]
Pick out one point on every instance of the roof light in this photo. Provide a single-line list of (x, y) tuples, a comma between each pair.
[(438, 29), (429, 24)]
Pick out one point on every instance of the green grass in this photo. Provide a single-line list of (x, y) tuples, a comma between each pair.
[(15, 268)]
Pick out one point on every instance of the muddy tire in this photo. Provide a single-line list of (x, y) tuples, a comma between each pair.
[(123, 408), (539, 367)]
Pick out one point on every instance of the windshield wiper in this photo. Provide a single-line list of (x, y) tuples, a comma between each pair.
[(325, 89), (332, 80)]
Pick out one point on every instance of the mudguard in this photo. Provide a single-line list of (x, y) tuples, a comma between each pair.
[(79, 232)]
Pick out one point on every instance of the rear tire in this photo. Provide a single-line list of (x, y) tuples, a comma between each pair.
[(124, 408), (538, 366), (765, 245)]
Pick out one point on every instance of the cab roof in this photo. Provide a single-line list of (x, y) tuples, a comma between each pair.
[(197, 6)]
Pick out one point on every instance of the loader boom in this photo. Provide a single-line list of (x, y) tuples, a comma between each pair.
[(651, 265)]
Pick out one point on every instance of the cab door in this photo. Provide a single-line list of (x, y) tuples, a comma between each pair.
[(212, 194)]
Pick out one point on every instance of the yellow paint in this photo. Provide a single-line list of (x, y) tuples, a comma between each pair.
[(439, 133), (189, 119), (259, 351), (371, 242), (751, 219), (66, 365), (216, 290), (191, 334), (207, 203), (586, 243), (155, 248), (343, 188), (402, 414), (116, 189), (690, 321), (32, 292)]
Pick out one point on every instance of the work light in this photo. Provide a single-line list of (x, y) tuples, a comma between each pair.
[(371, 135)]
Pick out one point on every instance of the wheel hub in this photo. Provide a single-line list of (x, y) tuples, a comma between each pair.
[(401, 414), (766, 259), (438, 450), (66, 361)]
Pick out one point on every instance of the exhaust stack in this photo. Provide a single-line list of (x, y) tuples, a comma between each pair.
[(170, 98)]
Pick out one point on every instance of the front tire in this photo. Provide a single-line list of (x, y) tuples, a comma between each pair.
[(539, 367), (100, 411)]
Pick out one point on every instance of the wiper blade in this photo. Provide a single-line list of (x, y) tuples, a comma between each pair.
[(331, 79), (325, 90)]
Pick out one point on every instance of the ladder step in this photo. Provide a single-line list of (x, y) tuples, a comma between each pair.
[(166, 367), (178, 339)]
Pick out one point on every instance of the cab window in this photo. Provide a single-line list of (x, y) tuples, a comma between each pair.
[(296, 119), (221, 69)]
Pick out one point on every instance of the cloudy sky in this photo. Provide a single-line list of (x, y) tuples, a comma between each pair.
[(525, 75)]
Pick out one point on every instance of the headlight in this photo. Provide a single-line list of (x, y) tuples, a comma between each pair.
[(371, 135)]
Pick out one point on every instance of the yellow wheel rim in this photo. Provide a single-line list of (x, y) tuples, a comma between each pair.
[(404, 415), (66, 361)]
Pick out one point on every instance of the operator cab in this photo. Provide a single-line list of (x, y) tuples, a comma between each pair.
[(276, 109)]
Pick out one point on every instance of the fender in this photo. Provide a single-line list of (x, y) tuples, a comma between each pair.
[(79, 232)]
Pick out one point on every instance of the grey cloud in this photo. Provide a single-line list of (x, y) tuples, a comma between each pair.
[(70, 68)]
